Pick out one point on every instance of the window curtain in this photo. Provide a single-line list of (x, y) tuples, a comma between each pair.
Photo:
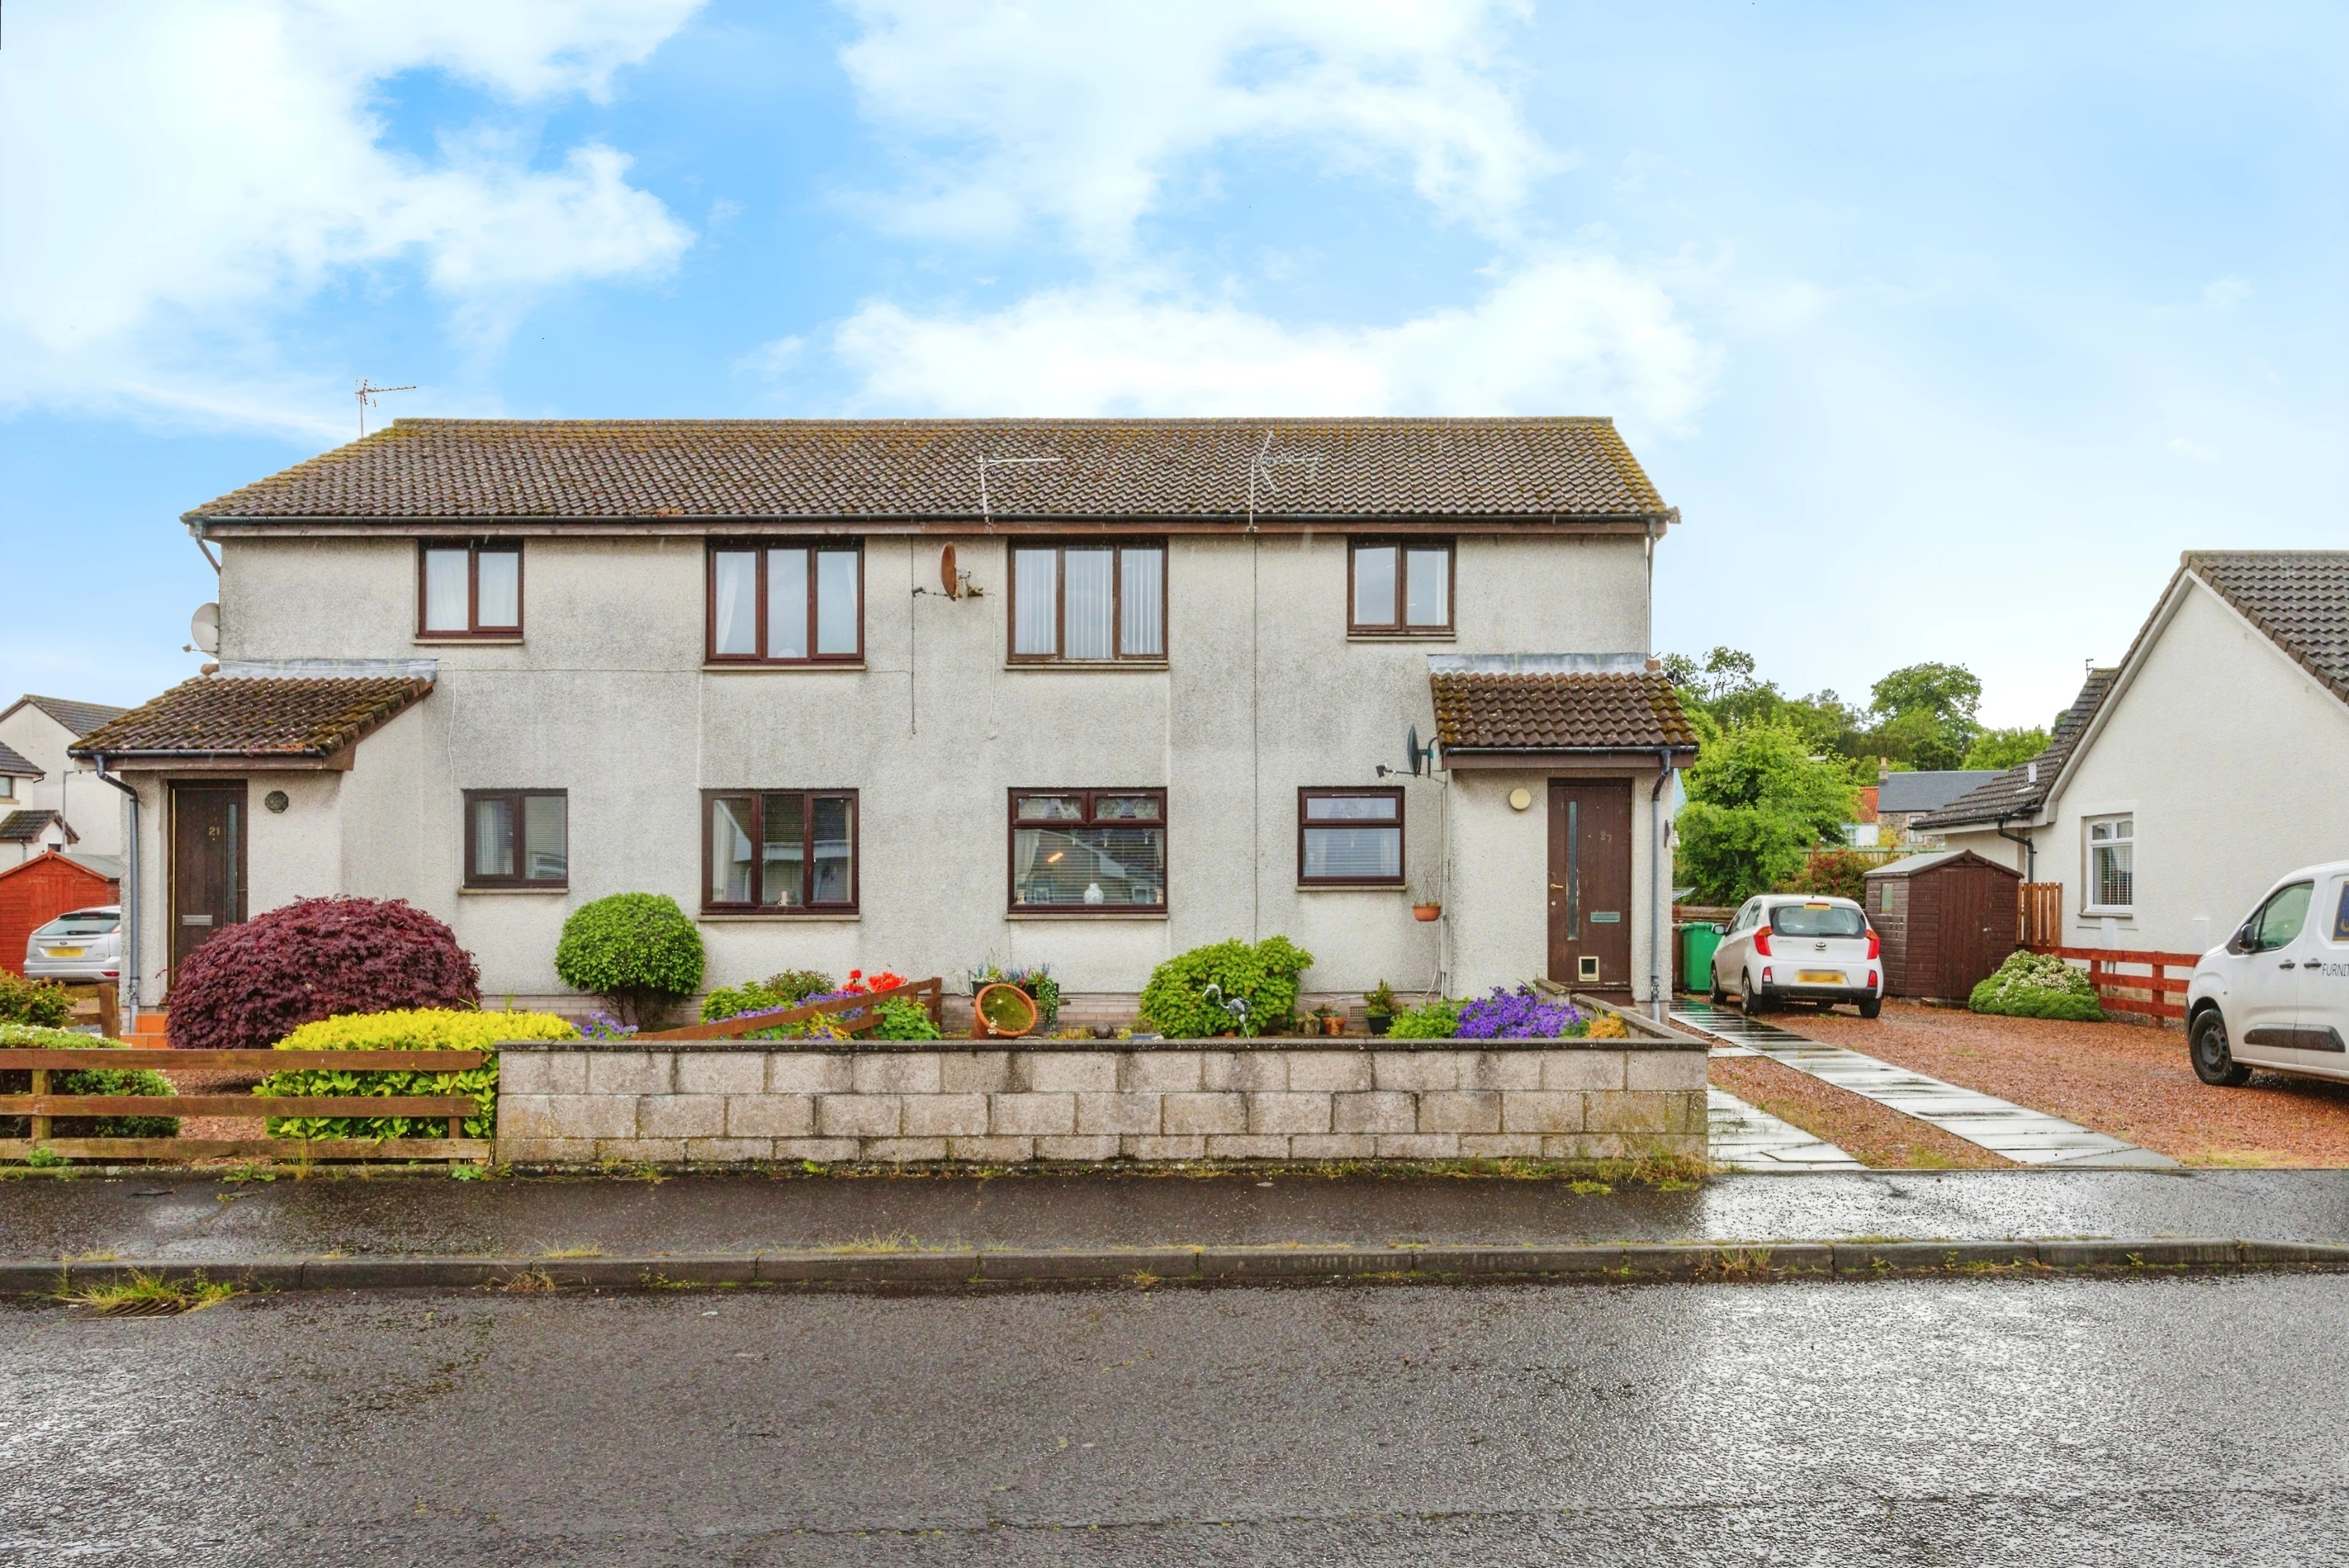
[(1036, 583), (736, 591), (1142, 632)]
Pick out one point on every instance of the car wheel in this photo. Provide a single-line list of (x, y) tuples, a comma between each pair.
[(1869, 1006), (1749, 1002), (1719, 998), (2214, 1063)]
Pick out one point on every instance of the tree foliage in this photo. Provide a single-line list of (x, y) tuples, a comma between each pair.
[(1920, 716), (2004, 749), (1758, 801)]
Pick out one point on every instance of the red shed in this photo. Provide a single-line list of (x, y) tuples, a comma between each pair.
[(38, 891), (1947, 919)]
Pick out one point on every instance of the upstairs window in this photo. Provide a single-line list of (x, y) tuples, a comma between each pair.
[(1088, 603), (517, 838), (1099, 852), (786, 604), (2112, 865), (469, 588), (1400, 589), (769, 850), (1350, 838)]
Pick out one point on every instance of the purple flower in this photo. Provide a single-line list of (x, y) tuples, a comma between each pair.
[(604, 1026), (1519, 1014)]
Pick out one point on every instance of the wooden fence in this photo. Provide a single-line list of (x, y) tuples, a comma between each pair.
[(2039, 914), (865, 1007), (2149, 995), (43, 1107)]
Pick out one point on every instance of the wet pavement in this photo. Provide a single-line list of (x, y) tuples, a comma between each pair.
[(1742, 1136), (2192, 1421), (181, 1217), (2017, 1132)]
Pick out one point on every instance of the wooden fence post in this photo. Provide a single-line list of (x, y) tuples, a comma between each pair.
[(40, 1123)]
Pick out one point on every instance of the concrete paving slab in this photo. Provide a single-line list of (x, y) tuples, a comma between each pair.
[(1746, 1137)]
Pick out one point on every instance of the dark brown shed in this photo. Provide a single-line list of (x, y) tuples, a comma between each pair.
[(1947, 921)]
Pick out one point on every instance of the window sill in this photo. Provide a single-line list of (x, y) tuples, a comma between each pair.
[(1352, 888), (828, 668), (1090, 666), (779, 917), (2090, 917), (1083, 915), (1403, 637), (457, 640), (551, 890)]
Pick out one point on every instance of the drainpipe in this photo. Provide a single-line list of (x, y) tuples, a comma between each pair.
[(127, 986), (1659, 922), (2030, 850)]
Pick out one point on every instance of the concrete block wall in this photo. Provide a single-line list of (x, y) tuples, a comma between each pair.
[(727, 1102)]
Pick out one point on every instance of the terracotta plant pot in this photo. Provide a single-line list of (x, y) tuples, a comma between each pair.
[(1427, 911), (1333, 1025), (1002, 1012)]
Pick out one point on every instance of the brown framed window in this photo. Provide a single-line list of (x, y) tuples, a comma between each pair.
[(1088, 603), (517, 838), (785, 603), (469, 588), (1350, 838), (1399, 586), (1089, 851), (764, 850)]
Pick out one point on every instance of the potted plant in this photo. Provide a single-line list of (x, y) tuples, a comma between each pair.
[(1378, 1008), (1423, 909), (1328, 1020)]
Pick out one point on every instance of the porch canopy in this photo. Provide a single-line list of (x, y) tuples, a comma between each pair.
[(1499, 710), (288, 716)]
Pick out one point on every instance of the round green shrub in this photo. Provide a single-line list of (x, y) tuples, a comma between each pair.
[(902, 1020), (637, 950), (1176, 998), (42, 1003), (2038, 985), (1438, 1018)]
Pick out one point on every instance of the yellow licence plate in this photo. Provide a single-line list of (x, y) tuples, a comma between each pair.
[(62, 952), (1822, 977)]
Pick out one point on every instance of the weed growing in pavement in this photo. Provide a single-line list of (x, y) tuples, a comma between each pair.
[(527, 1281), (469, 1173), (45, 1159), (1587, 1189), (144, 1294), (562, 1252), (238, 1174), (1738, 1264), (898, 1242)]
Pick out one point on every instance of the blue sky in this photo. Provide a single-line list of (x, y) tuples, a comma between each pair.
[(1946, 326)]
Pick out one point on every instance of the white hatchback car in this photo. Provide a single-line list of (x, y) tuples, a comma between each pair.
[(2276, 997), (1799, 947)]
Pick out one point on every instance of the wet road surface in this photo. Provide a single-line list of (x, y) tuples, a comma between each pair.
[(2144, 1420), (168, 1216)]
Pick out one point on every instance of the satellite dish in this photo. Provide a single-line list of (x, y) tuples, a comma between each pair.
[(203, 628), (947, 573), (1410, 749)]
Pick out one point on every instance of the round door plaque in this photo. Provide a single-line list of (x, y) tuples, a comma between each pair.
[(1519, 799)]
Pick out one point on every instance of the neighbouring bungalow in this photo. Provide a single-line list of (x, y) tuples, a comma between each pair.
[(2184, 781), (48, 801), (937, 694)]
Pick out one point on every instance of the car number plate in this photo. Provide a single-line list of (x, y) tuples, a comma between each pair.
[(1822, 977), (62, 952)]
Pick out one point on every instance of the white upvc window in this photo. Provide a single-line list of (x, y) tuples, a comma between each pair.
[(2111, 866)]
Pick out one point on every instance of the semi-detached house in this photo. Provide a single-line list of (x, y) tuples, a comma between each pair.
[(935, 694)]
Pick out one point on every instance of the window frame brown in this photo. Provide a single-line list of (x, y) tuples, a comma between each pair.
[(1059, 547), (521, 840), (1090, 911), (475, 631), (760, 548), (1401, 545), (1402, 834), (709, 798)]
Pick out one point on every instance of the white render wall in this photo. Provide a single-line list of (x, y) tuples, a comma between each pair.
[(91, 808), (2230, 757), (607, 699)]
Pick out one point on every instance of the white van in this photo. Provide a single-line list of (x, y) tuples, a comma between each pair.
[(2276, 997)]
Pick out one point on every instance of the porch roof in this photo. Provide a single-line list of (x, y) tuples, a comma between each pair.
[(222, 717), (1578, 711)]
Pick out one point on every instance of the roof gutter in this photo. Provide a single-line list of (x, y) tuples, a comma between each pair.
[(196, 532)]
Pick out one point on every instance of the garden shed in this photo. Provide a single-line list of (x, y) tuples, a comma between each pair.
[(1946, 921), (36, 891)]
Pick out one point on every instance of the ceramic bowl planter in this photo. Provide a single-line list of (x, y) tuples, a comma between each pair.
[(1427, 911), (1002, 1012)]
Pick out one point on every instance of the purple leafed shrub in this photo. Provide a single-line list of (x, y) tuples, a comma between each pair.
[(1519, 1014), (255, 983)]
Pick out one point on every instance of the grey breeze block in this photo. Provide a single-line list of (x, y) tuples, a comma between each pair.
[(736, 1102)]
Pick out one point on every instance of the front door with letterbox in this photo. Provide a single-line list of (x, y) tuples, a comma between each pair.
[(1590, 883), (207, 862)]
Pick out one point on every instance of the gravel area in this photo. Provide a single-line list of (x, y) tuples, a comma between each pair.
[(1874, 1134), (193, 1083), (2126, 1079)]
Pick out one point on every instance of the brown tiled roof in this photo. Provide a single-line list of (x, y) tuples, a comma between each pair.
[(2017, 793), (227, 716), (15, 765), (1558, 712), (2300, 599), (80, 718), (1526, 469)]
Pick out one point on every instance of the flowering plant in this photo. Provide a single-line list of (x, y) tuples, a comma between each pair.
[(604, 1026), (859, 984), (1520, 1014)]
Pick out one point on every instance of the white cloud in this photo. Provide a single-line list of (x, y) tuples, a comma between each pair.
[(2222, 292), (2191, 450), (1568, 332), (177, 178), (1079, 113)]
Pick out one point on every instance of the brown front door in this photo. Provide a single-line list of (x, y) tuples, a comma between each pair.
[(1590, 883), (207, 862)]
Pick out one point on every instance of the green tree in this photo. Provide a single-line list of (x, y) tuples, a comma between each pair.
[(1759, 799), (2004, 749), (1926, 714)]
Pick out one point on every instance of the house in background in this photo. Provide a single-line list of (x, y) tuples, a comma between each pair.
[(937, 694), (1889, 807), (48, 800), (2185, 781)]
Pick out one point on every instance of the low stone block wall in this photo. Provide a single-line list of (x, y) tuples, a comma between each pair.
[(726, 1102)]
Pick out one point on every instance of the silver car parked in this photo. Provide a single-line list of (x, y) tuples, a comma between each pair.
[(80, 945)]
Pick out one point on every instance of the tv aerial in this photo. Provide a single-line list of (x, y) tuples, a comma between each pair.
[(367, 393)]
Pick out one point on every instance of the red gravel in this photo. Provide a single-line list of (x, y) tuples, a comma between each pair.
[(2126, 1079)]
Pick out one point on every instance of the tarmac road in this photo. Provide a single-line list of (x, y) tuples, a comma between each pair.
[(2183, 1420)]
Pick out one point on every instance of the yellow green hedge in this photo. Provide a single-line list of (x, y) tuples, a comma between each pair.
[(413, 1029)]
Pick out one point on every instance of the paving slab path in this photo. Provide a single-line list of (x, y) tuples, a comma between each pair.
[(2020, 1133), (1747, 1138)]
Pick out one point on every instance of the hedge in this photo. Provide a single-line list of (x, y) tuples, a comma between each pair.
[(41, 1002), (81, 1081), (2038, 985), (416, 1029), (1176, 1000)]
